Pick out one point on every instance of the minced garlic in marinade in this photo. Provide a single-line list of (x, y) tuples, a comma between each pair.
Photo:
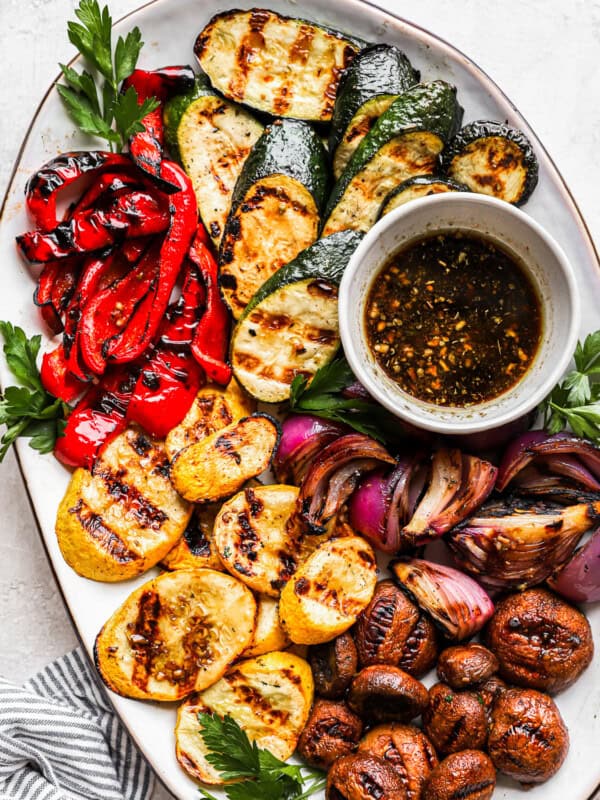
[(453, 319)]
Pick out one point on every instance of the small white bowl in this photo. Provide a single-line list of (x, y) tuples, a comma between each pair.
[(549, 271)]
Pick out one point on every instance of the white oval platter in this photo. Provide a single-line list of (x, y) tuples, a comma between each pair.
[(169, 27)]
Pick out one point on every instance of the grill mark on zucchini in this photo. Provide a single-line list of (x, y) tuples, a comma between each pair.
[(142, 637), (134, 502), (246, 52), (252, 698), (301, 48), (102, 534)]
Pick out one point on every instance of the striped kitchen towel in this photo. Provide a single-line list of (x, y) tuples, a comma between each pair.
[(59, 738)]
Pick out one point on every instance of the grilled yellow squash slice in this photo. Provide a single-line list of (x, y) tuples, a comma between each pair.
[(196, 549), (213, 409), (124, 516), (328, 591), (269, 697), (175, 634), (219, 465), (286, 67), (268, 635), (256, 539)]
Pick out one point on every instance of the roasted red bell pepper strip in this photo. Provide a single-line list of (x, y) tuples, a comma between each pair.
[(42, 188), (54, 290), (56, 377), (146, 147), (173, 251), (107, 184), (170, 378), (129, 215), (211, 338), (109, 313), (97, 418)]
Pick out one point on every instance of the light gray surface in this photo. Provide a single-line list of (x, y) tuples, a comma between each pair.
[(543, 53)]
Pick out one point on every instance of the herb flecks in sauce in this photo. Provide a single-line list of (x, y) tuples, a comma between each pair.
[(453, 319)]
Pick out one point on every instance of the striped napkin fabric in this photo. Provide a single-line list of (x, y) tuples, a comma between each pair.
[(59, 738)]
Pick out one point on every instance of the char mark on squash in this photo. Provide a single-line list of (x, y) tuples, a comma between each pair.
[(102, 534)]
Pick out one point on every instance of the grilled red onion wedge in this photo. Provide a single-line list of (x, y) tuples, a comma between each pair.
[(579, 579), (459, 484), (333, 476), (385, 501), (302, 438), (514, 545), (454, 600), (532, 457)]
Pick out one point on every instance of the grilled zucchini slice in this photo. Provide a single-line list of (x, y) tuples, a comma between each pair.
[(219, 465), (290, 327), (368, 87), (493, 159), (212, 138), (174, 635), (283, 66), (328, 591), (419, 186), (256, 539), (269, 697), (124, 516), (268, 635), (275, 209), (214, 408), (196, 549), (405, 141)]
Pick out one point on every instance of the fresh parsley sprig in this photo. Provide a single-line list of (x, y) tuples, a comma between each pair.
[(323, 398), (259, 774), (575, 401), (27, 410), (93, 99)]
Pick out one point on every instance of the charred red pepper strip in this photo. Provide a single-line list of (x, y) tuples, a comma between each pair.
[(42, 188), (56, 377), (130, 215), (170, 378), (175, 246), (109, 312), (97, 418), (54, 290), (146, 147), (211, 339), (108, 183)]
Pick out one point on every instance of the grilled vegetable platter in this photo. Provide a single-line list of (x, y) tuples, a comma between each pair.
[(311, 598)]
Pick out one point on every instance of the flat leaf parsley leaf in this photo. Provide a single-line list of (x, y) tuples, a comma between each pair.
[(259, 774), (27, 410), (93, 99), (323, 397), (575, 401)]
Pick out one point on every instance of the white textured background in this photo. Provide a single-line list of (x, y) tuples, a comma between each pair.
[(545, 54)]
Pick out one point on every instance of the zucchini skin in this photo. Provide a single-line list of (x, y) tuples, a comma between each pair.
[(176, 107), (420, 180), (378, 69), (429, 107), (287, 147), (327, 258), (482, 129)]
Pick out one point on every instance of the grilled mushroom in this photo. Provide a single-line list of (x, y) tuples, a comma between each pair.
[(407, 749), (363, 777), (383, 693), (332, 731), (469, 774), (384, 627), (528, 738), (454, 720), (466, 665), (333, 665), (541, 641)]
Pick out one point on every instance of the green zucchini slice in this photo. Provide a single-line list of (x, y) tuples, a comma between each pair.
[(368, 87), (213, 138), (493, 159), (275, 210), (405, 141), (286, 67), (419, 186), (290, 327)]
